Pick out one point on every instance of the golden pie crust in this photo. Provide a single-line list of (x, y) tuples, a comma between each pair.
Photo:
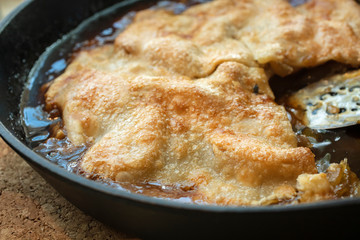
[(185, 99)]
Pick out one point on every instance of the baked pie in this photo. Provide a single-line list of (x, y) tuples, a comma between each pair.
[(185, 99)]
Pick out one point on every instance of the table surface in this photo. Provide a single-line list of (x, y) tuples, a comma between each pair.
[(30, 208)]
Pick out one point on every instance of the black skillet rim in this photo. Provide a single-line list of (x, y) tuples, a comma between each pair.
[(29, 155)]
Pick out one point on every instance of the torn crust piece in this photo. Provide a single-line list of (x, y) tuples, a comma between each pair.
[(184, 99)]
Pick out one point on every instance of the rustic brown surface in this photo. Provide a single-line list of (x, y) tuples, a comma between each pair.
[(31, 209)]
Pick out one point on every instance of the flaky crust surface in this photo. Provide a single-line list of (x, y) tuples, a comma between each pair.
[(184, 99)]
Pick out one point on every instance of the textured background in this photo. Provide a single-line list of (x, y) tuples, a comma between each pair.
[(30, 208)]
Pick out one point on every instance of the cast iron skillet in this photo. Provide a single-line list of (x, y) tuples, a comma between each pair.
[(24, 36)]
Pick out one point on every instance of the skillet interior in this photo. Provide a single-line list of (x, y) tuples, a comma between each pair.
[(24, 36)]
